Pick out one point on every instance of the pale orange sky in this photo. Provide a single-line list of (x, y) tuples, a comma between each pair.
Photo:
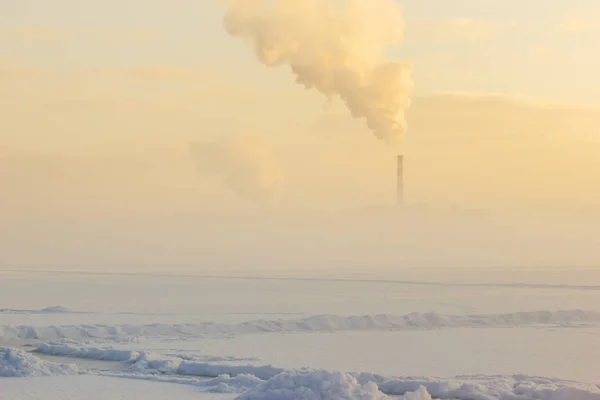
[(100, 100)]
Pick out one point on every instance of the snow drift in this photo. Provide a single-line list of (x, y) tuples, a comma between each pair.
[(324, 385), (256, 382), (141, 360), (277, 384), (221, 384), (228, 384), (486, 388), (269, 382), (19, 363), (319, 323), (93, 353), (317, 385), (154, 362), (208, 358), (46, 310), (263, 372)]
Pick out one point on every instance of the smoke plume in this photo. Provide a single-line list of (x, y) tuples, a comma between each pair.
[(244, 164), (338, 47)]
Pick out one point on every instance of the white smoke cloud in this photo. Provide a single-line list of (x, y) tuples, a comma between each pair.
[(338, 47), (245, 165)]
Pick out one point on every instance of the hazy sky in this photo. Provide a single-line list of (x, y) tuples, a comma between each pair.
[(539, 48), (113, 91), (99, 101)]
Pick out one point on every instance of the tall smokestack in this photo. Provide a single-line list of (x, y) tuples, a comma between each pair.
[(400, 182)]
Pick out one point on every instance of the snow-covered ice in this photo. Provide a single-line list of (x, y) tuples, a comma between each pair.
[(90, 387), (267, 383), (94, 353), (19, 363), (45, 310), (315, 339), (317, 323), (317, 385)]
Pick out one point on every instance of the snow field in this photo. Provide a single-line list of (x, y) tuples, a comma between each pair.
[(317, 323), (255, 382)]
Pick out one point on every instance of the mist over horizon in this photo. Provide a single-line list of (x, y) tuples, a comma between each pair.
[(138, 154), (479, 194), (373, 240)]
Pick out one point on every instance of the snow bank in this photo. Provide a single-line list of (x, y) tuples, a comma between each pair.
[(228, 384), (263, 372), (153, 362), (55, 310), (419, 394), (19, 363), (221, 384), (271, 383), (317, 385), (93, 353), (486, 388), (322, 385), (207, 358), (46, 310), (318, 323)]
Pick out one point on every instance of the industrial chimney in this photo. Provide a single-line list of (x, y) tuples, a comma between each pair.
[(400, 182)]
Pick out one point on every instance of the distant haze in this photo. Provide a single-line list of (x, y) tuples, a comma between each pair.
[(124, 134), (244, 164)]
